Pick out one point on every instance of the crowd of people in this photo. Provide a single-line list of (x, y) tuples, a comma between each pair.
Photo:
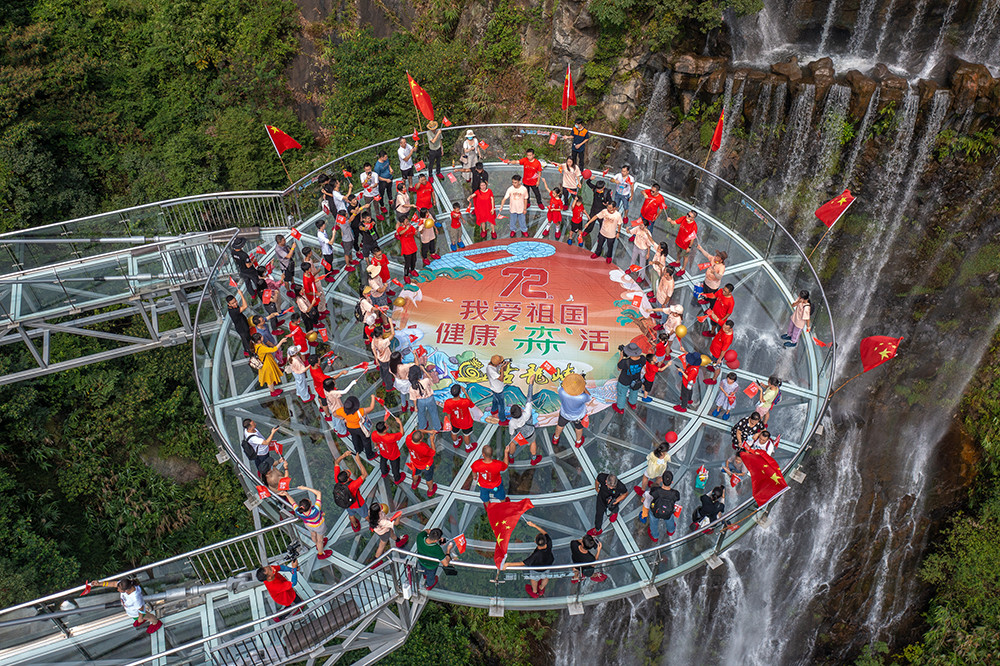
[(401, 201)]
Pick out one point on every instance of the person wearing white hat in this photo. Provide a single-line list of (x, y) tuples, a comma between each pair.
[(630, 378), (300, 371), (379, 297), (470, 153)]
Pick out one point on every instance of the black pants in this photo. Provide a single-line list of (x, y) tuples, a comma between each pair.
[(601, 242), (434, 161), (602, 508), (384, 466), (409, 263), (310, 319), (567, 197), (361, 442), (288, 273), (244, 334), (538, 194), (284, 615), (271, 308), (328, 258), (250, 280), (577, 158), (388, 381), (427, 248), (686, 392), (385, 191)]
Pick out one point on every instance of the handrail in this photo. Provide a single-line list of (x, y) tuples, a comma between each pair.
[(286, 612), (170, 560), (186, 240), (162, 204)]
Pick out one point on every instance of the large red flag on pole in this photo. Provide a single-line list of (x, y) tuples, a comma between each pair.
[(766, 479), (503, 517), (280, 140), (717, 136), (569, 95), (877, 349), (835, 208), (421, 99)]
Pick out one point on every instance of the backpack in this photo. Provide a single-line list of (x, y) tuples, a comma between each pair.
[(662, 510), (777, 399), (358, 314), (249, 450), (342, 495)]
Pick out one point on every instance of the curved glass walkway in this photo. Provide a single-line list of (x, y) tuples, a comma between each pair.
[(215, 613)]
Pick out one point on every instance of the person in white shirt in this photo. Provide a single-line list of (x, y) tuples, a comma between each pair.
[(261, 446), (405, 152), (325, 243), (369, 186), (133, 602), (470, 153), (624, 185), (611, 221), (340, 200), (518, 195), (571, 179)]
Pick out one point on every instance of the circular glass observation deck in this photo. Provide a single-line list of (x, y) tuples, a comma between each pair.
[(550, 308)]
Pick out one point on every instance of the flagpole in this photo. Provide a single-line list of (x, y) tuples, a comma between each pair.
[(842, 214), (847, 382)]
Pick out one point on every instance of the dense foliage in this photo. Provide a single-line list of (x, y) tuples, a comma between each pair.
[(110, 104)]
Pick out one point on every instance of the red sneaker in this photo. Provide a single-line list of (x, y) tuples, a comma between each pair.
[(613, 517), (513, 235), (504, 423), (138, 623), (356, 526), (276, 392), (593, 255), (608, 259), (545, 234), (402, 541), (524, 234), (471, 447), (326, 554), (680, 408), (380, 218), (349, 268), (680, 273), (709, 381), (427, 262), (402, 477), (557, 234), (617, 409), (527, 588), (493, 235), (599, 578), (435, 256), (414, 273), (649, 531), (631, 406), (432, 491), (153, 628), (406, 279), (416, 483), (675, 264), (594, 532), (536, 459), (582, 440)]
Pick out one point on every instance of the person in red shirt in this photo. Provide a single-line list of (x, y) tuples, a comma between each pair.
[(662, 351), (686, 235), (691, 366), (424, 191), (421, 461), (457, 407), (576, 222), (388, 448), (652, 205), (280, 588), (297, 333), (483, 208), (554, 216), (532, 171), (348, 491), (721, 343), (721, 309), (649, 375), (380, 259), (318, 377), (407, 235), (488, 474), (455, 231)]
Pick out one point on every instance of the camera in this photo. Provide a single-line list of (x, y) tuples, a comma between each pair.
[(621, 348), (292, 552), (442, 541)]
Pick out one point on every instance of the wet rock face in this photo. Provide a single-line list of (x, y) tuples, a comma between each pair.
[(968, 82), (790, 69), (862, 89)]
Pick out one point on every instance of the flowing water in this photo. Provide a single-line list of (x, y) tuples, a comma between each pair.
[(906, 45), (798, 141), (986, 21), (860, 138), (866, 16), (831, 15), (936, 50)]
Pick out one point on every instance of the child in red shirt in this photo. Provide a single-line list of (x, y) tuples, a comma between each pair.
[(576, 222), (689, 379), (649, 375), (408, 247), (483, 206), (458, 408), (388, 448), (717, 350), (532, 171), (455, 232), (554, 216), (686, 235)]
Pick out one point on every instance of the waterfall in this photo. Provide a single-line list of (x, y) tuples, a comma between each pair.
[(939, 107), (732, 106), (861, 138), (884, 29), (935, 54), (652, 126), (906, 44), (986, 21), (758, 34), (831, 14), (760, 135), (831, 125), (866, 13), (797, 138)]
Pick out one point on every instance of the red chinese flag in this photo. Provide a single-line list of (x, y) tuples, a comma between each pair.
[(295, 233), (280, 140), (460, 543), (421, 99), (878, 349), (503, 517), (284, 483), (323, 335), (765, 476), (833, 209), (277, 447), (263, 492), (569, 95), (446, 123), (232, 283), (717, 136)]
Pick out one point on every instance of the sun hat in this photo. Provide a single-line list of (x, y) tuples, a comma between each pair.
[(366, 290), (432, 125), (469, 133), (632, 349), (574, 384), (677, 308), (374, 270), (294, 349)]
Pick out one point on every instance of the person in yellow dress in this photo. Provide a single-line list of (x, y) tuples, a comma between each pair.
[(269, 374)]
